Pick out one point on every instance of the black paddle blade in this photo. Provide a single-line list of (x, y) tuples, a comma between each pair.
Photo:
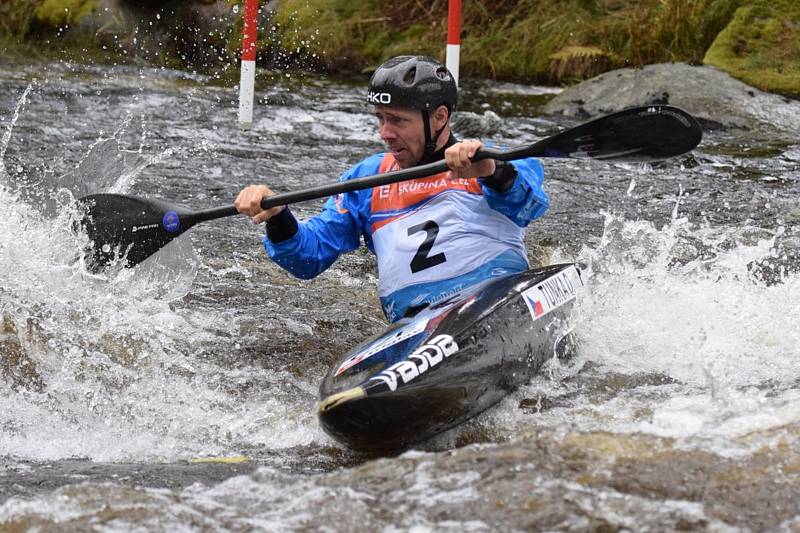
[(130, 227), (651, 133)]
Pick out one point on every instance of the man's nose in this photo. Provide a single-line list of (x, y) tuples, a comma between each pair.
[(387, 132)]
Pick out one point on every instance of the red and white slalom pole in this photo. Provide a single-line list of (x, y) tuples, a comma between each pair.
[(248, 69), (453, 37)]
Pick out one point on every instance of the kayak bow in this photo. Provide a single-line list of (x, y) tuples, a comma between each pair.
[(450, 362)]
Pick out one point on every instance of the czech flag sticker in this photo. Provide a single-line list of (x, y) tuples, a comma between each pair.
[(535, 305), (536, 302)]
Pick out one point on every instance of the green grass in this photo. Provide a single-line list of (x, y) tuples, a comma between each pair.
[(550, 41), (761, 46), (562, 41), (17, 17)]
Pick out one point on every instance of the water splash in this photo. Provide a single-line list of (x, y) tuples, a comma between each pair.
[(677, 339), (107, 366), (10, 128)]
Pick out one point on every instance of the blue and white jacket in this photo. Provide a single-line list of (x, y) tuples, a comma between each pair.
[(432, 237)]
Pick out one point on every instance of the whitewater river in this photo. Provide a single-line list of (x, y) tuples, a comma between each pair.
[(181, 394)]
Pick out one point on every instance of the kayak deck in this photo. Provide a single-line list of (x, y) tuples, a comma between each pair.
[(450, 362)]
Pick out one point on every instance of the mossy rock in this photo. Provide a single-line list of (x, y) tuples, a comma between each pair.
[(60, 12), (761, 46)]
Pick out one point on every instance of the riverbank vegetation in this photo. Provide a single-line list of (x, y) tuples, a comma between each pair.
[(536, 41), (547, 41)]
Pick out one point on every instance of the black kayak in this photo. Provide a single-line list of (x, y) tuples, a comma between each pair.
[(449, 362)]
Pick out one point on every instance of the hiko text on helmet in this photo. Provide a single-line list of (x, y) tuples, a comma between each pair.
[(379, 98)]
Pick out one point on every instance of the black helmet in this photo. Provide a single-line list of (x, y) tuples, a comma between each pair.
[(417, 82)]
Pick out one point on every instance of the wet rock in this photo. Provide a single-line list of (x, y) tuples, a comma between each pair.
[(585, 481), (476, 125), (781, 264), (28, 478), (711, 95), (581, 481), (125, 350), (598, 385), (15, 364)]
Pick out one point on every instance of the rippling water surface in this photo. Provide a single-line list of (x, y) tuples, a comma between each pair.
[(681, 408)]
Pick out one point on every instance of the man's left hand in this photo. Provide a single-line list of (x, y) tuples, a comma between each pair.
[(458, 157)]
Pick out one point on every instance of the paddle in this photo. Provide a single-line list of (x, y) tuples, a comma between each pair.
[(138, 227)]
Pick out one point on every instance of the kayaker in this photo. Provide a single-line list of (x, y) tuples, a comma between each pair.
[(432, 236)]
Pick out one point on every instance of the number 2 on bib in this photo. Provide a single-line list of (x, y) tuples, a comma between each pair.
[(421, 259)]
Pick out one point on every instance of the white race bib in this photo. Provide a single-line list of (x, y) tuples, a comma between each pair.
[(452, 233)]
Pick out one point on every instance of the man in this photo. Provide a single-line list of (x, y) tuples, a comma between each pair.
[(433, 237)]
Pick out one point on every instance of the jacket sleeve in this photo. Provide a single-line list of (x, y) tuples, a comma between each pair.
[(525, 200), (319, 241)]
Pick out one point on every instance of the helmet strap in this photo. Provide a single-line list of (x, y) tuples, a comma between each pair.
[(430, 143)]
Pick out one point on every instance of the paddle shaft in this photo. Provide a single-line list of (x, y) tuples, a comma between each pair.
[(639, 134), (138, 227), (367, 182)]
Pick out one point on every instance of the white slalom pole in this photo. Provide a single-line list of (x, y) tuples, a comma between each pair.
[(453, 37), (247, 80)]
